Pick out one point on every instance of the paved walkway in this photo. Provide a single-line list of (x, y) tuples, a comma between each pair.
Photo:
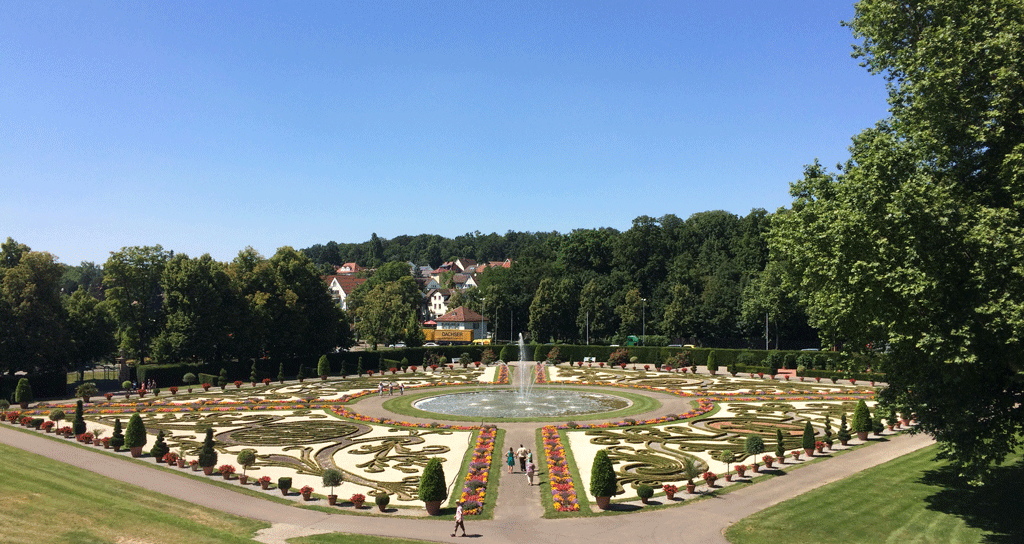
[(517, 512)]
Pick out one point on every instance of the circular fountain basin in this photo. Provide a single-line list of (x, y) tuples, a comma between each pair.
[(502, 403)]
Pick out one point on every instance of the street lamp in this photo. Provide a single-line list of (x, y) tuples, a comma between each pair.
[(643, 331)]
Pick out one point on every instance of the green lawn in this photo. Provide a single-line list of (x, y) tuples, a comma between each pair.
[(346, 538), (913, 499)]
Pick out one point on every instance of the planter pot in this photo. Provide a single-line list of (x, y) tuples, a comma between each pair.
[(358, 504), (755, 468), (820, 448), (728, 477), (769, 464), (136, 452), (307, 496), (382, 507), (106, 446), (284, 490), (741, 473), (604, 502), (670, 496), (226, 475), (843, 442), (266, 485), (711, 482), (645, 501), (809, 452), (691, 488), (332, 500), (433, 507), (85, 399), (208, 471), (243, 479), (24, 405), (180, 462), (862, 435)]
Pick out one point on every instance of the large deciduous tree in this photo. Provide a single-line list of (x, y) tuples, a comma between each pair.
[(33, 333), (917, 242), (132, 277)]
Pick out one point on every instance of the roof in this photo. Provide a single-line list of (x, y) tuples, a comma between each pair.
[(461, 315), (347, 282)]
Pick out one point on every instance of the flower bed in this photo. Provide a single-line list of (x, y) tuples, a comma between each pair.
[(563, 491), (474, 490)]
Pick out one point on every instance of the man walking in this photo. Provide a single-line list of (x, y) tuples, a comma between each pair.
[(458, 519), (521, 454)]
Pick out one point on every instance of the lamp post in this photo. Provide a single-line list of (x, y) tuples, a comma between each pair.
[(643, 317)]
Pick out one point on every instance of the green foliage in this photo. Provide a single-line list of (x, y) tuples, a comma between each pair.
[(644, 491), (728, 457), (486, 358), (284, 482), (861, 417), (280, 372), (189, 378), (323, 367), (712, 364), (117, 438), (57, 415), (88, 389), (691, 468), (773, 361), (135, 434), (382, 500), (222, 380), (126, 385), (828, 427), (302, 371), (160, 447), (208, 451), (78, 425), (23, 393), (332, 478), (432, 483), (246, 458), (539, 352), (808, 436), (844, 433), (603, 482), (754, 445), (780, 443), (253, 374), (508, 353)]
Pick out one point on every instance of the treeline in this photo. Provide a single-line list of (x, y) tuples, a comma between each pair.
[(153, 305), (704, 280)]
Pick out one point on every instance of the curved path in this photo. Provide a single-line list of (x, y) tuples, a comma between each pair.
[(517, 514)]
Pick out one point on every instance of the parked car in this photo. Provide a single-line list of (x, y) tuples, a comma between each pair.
[(430, 345)]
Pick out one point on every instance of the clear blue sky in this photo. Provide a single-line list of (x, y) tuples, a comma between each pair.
[(207, 127)]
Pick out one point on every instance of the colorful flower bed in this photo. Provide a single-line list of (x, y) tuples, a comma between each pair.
[(563, 492), (502, 375), (474, 490), (540, 373)]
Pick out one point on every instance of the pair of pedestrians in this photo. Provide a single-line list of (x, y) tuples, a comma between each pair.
[(526, 463)]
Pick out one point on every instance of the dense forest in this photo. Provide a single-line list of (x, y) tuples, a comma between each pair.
[(704, 280)]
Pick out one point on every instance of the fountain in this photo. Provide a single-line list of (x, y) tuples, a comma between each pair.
[(522, 401)]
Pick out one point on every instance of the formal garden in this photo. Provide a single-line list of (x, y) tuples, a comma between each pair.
[(683, 432)]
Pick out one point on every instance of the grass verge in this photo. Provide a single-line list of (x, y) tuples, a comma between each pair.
[(48, 501), (909, 499)]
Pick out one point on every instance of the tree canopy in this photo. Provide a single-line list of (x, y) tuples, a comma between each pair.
[(915, 245)]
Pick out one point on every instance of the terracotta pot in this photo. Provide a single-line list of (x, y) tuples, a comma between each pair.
[(809, 452), (136, 452), (768, 464), (208, 471), (266, 485), (243, 479), (604, 503), (433, 507), (307, 496), (862, 435), (284, 490), (358, 504), (741, 473), (645, 501), (226, 475), (85, 399), (843, 442), (691, 488), (728, 477), (382, 508), (332, 500), (669, 495), (181, 463), (819, 448)]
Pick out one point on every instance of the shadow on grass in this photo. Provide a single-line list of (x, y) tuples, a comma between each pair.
[(990, 507)]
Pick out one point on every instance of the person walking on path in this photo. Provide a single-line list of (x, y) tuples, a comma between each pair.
[(458, 520), (531, 469), (521, 454), (511, 460)]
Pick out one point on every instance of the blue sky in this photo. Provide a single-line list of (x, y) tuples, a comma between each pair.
[(207, 127)]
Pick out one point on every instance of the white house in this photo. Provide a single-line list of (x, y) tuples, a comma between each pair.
[(341, 287), (463, 318)]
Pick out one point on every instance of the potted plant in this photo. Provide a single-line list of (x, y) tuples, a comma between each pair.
[(796, 454), (741, 470), (332, 478), (127, 387), (691, 470), (284, 483), (844, 433), (432, 489), (238, 384), (357, 500), (645, 492), (160, 448), (135, 435), (670, 491), (754, 446), (709, 478), (23, 393), (382, 501), (808, 439), (819, 445), (264, 482), (226, 471), (194, 465), (173, 389), (208, 453), (246, 458), (862, 420), (307, 492), (727, 457), (96, 434), (323, 367), (86, 390), (47, 426), (56, 416), (780, 447), (171, 458), (117, 438), (603, 483)]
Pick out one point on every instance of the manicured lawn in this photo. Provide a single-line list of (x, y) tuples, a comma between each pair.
[(47, 501), (912, 499), (345, 538)]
